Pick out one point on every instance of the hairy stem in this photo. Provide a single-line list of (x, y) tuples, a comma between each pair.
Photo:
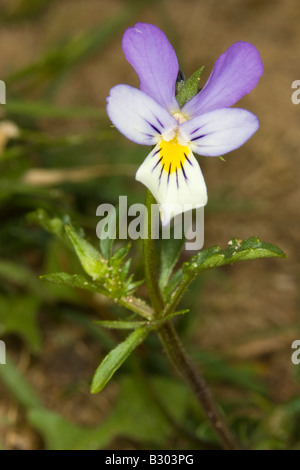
[(150, 262), (174, 349), (190, 373)]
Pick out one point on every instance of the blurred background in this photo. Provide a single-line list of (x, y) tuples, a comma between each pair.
[(58, 152)]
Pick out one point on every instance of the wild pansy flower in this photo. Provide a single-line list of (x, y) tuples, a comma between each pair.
[(205, 125)]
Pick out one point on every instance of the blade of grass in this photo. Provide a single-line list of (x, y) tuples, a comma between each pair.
[(59, 61), (42, 109)]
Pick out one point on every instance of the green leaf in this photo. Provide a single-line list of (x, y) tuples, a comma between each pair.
[(71, 280), (116, 357), (61, 434), (52, 225), (171, 315), (62, 58), (20, 275), (117, 282), (132, 325), (190, 88), (153, 406), (106, 244), (122, 325), (170, 253), (90, 259), (109, 275), (173, 283), (238, 250), (119, 255), (217, 368), (18, 315), (18, 385), (136, 403), (40, 109)]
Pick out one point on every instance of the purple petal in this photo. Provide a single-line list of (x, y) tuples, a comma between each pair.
[(235, 74), (149, 52), (219, 132), (137, 116)]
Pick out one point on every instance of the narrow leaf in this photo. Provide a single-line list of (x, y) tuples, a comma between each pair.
[(174, 314), (122, 325), (170, 253), (52, 225), (17, 384), (71, 280), (106, 244), (116, 357), (190, 88), (90, 259), (40, 109)]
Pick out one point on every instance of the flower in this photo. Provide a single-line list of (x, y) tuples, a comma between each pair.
[(205, 125)]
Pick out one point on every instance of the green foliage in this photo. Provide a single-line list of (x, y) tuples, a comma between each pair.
[(244, 375), (157, 396), (72, 280), (20, 275), (42, 109), (134, 398), (53, 225), (116, 357), (107, 241), (58, 62), (170, 253), (190, 88), (18, 385), (110, 276), (93, 264), (120, 325), (238, 250), (131, 325), (18, 315)]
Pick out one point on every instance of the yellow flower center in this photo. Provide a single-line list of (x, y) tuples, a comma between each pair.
[(173, 154)]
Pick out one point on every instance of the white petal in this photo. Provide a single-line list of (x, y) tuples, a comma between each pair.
[(177, 191), (219, 132), (139, 117)]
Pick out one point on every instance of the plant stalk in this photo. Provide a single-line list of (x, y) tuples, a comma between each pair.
[(174, 349), (190, 373), (150, 261)]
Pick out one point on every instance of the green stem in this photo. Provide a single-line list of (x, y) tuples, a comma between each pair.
[(150, 261), (190, 373), (174, 349)]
